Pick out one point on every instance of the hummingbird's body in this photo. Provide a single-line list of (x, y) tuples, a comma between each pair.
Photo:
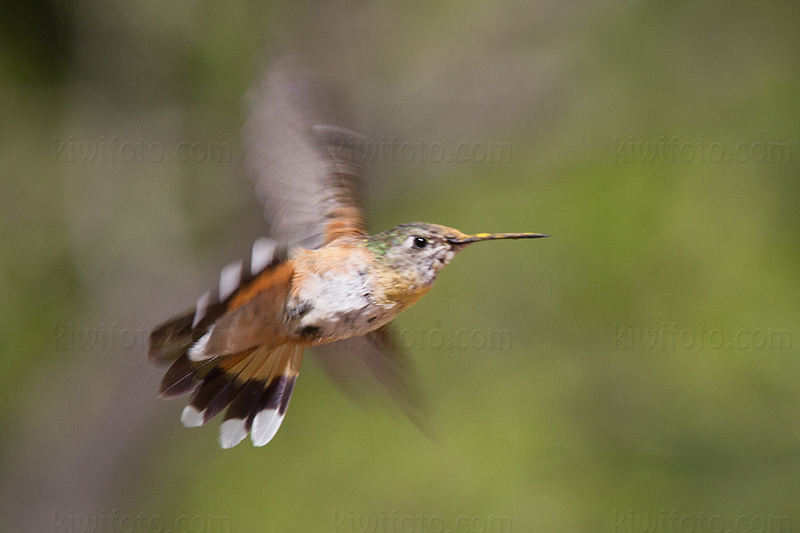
[(322, 282), (336, 293)]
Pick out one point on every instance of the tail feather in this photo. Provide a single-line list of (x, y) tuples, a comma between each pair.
[(219, 386), (260, 405), (222, 383), (236, 424), (255, 386), (180, 378), (176, 336)]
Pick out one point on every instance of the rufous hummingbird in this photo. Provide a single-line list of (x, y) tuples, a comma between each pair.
[(319, 281)]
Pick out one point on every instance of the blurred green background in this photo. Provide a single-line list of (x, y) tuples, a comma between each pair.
[(649, 379)]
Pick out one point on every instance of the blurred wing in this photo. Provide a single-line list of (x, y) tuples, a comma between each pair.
[(370, 364), (306, 162)]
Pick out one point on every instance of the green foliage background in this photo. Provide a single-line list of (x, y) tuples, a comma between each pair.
[(568, 428)]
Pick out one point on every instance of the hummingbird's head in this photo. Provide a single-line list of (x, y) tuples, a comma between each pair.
[(420, 250)]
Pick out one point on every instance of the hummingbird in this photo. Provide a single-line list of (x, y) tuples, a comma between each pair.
[(319, 281)]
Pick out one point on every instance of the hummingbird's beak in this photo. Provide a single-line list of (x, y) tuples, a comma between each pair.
[(468, 239)]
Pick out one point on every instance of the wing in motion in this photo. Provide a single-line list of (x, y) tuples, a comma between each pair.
[(305, 159), (366, 365)]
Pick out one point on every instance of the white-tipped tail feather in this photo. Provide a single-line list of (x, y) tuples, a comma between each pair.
[(191, 417), (263, 252), (232, 432), (229, 278), (200, 310), (254, 386), (265, 426), (198, 350)]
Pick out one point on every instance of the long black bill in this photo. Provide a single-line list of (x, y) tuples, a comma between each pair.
[(494, 236)]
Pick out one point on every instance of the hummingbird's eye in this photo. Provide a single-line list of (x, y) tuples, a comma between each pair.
[(420, 243)]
